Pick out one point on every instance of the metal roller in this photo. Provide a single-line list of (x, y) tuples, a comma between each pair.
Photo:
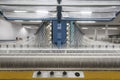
[(65, 60)]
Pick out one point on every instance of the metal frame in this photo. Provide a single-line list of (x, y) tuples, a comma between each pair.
[(76, 5)]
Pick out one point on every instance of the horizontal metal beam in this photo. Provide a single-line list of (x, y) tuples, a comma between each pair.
[(60, 69), (23, 4), (97, 24), (66, 19), (74, 5), (27, 19), (88, 19)]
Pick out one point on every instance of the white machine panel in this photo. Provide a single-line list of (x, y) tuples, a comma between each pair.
[(58, 74)]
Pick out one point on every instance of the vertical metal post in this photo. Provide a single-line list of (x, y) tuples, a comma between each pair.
[(59, 13), (106, 31), (95, 34), (71, 33), (59, 1)]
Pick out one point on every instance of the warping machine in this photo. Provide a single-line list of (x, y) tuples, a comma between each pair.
[(58, 48)]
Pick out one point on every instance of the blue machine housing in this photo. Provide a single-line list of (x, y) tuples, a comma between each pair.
[(59, 33)]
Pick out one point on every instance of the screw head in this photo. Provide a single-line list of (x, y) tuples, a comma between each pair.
[(64, 73), (77, 74), (39, 73), (51, 73)]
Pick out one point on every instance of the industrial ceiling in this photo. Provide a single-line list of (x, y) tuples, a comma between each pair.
[(102, 11)]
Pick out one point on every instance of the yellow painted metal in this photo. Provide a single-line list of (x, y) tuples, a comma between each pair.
[(89, 75)]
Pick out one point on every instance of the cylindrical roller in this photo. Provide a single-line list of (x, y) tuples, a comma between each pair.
[(60, 61)]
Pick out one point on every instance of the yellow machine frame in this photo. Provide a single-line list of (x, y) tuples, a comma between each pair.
[(89, 75)]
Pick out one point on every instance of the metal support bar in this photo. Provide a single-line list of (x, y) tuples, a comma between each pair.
[(74, 5), (68, 19), (63, 19), (95, 34), (106, 31), (59, 13), (71, 33), (59, 1), (89, 19), (27, 19)]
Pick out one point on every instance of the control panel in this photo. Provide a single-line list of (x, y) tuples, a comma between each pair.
[(58, 74)]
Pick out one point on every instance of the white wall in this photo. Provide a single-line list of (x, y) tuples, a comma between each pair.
[(9, 31), (6, 31)]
